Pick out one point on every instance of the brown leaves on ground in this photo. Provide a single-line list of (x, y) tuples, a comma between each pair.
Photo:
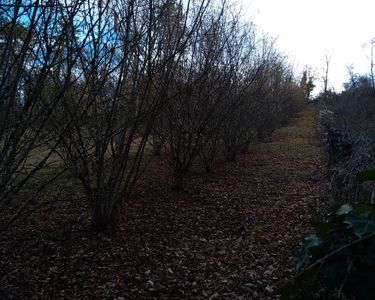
[(231, 235)]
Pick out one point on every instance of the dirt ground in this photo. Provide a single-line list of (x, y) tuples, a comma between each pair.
[(231, 235)]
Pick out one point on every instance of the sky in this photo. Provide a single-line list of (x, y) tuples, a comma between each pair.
[(307, 31)]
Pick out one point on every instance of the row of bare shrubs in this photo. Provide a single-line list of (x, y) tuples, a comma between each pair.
[(94, 81)]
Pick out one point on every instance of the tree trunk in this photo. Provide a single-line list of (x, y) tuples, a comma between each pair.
[(231, 155), (156, 149), (261, 135), (208, 167), (245, 147), (157, 145), (178, 179), (104, 215), (230, 152), (208, 163)]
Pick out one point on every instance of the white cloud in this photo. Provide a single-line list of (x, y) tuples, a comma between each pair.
[(306, 30)]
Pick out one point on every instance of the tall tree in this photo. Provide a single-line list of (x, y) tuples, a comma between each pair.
[(327, 61)]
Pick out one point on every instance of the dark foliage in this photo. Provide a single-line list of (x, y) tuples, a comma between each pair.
[(342, 256)]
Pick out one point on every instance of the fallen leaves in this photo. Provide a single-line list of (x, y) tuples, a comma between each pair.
[(230, 236)]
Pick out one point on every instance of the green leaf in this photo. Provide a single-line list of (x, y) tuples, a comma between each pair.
[(361, 224), (303, 256), (344, 210), (366, 175), (324, 279), (312, 241)]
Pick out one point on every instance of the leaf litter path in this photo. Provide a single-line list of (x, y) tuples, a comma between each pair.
[(230, 236)]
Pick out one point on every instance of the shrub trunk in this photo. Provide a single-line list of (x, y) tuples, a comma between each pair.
[(104, 215), (178, 179)]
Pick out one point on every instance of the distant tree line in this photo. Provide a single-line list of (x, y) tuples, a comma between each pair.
[(97, 82)]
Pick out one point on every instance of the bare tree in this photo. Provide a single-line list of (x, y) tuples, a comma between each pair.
[(32, 39), (93, 80), (229, 83), (372, 42), (190, 118), (327, 61), (129, 62)]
